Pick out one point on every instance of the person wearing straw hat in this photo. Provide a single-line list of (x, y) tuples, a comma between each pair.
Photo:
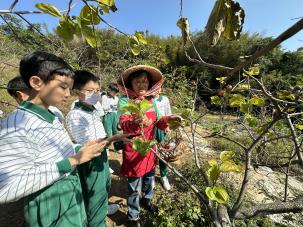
[(138, 83)]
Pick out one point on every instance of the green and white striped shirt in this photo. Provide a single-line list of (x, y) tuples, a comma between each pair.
[(34, 148), (84, 124)]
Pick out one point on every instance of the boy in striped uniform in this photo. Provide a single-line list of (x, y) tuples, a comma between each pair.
[(20, 92), (84, 124), (37, 157)]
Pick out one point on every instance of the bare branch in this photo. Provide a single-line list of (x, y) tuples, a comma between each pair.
[(295, 139), (245, 181), (201, 61), (19, 12), (262, 210), (285, 35), (13, 5)]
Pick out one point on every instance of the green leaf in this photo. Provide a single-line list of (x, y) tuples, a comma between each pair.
[(243, 87), (66, 29), (145, 106), (257, 101), (212, 162), (134, 45), (107, 5), (252, 121), (230, 166), (286, 95), (183, 24), (227, 18), (142, 146), (215, 100), (226, 155), (186, 114), (254, 71), (213, 173), (299, 126), (245, 108), (89, 14), (221, 195), (221, 79), (49, 9), (90, 36), (141, 38), (236, 100), (210, 193)]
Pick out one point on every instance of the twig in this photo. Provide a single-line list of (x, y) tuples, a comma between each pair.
[(19, 12), (201, 61), (104, 21), (13, 5), (295, 139)]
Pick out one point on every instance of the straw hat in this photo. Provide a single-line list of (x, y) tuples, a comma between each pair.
[(154, 72)]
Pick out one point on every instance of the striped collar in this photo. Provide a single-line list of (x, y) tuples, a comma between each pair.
[(38, 111), (86, 108)]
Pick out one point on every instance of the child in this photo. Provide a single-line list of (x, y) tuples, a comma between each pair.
[(20, 92), (84, 125), (163, 105), (37, 157), (110, 104), (138, 83)]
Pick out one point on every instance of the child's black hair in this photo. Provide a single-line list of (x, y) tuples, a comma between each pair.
[(44, 65), (16, 84), (113, 87), (82, 77), (136, 74)]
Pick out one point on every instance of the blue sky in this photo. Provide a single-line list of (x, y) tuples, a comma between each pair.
[(267, 17)]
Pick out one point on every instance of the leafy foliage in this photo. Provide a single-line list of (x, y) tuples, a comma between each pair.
[(218, 193), (143, 146)]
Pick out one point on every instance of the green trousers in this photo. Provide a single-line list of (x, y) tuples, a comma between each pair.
[(59, 204), (161, 136), (110, 123), (95, 181)]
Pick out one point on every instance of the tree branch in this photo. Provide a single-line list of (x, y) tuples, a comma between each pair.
[(295, 139), (285, 35), (262, 210), (245, 181)]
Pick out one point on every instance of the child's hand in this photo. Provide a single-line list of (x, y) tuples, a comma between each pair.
[(88, 152), (120, 137)]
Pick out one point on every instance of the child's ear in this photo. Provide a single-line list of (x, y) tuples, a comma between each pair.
[(36, 83)]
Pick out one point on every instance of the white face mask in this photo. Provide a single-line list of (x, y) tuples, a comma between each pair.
[(92, 99)]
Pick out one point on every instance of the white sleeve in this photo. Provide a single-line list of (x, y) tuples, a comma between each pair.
[(105, 103), (20, 173), (167, 107), (76, 127)]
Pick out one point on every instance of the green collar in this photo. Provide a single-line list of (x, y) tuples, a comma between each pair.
[(38, 111), (160, 98), (81, 106)]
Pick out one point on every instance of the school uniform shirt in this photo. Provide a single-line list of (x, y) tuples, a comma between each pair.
[(57, 113), (109, 104), (84, 123), (163, 105), (98, 107), (34, 151)]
